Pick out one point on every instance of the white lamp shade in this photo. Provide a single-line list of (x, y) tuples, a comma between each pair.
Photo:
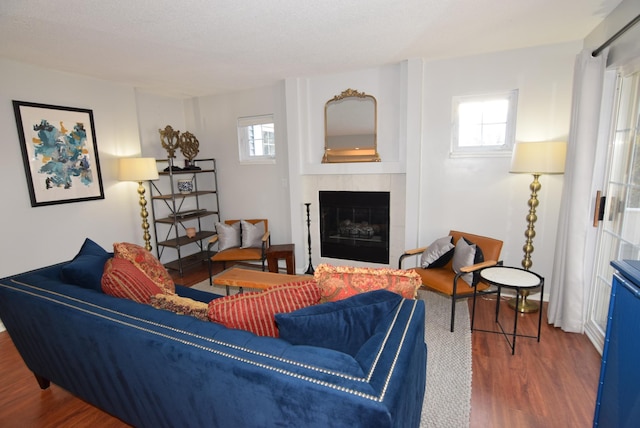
[(137, 169), (539, 158)]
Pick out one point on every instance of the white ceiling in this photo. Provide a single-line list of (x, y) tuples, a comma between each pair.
[(191, 48)]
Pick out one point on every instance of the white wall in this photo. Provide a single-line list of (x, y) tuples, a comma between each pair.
[(478, 194), (154, 113), (471, 194), (306, 98), (626, 49), (246, 191), (40, 236)]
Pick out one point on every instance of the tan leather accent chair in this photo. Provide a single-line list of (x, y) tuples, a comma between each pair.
[(446, 281), (238, 254)]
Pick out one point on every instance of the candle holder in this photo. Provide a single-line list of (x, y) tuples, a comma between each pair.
[(310, 270)]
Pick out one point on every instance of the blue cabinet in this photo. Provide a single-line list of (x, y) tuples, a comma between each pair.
[(618, 401)]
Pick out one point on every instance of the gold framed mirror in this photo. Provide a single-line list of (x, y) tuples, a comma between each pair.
[(350, 128)]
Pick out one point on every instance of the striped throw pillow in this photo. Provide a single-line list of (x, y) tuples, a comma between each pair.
[(121, 278), (255, 311), (148, 264)]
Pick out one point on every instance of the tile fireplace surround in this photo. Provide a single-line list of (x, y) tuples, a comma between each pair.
[(394, 184)]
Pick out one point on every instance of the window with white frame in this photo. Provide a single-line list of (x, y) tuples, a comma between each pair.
[(484, 124), (256, 139)]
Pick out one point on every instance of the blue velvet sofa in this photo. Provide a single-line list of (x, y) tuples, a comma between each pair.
[(360, 362)]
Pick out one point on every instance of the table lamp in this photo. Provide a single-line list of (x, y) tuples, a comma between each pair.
[(140, 169), (536, 158)]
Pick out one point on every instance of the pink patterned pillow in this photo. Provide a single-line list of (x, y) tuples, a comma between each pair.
[(147, 263), (255, 311), (340, 282), (123, 279)]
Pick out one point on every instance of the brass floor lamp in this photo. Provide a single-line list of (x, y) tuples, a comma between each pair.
[(537, 159), (140, 170)]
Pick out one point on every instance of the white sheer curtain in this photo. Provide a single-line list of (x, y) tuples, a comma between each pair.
[(569, 294)]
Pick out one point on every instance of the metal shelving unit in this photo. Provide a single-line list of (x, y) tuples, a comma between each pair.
[(173, 212)]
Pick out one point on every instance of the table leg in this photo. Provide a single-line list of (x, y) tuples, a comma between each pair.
[(540, 310), (473, 313), (515, 324), (291, 264), (272, 263)]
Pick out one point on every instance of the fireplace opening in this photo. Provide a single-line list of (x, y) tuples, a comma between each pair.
[(355, 226)]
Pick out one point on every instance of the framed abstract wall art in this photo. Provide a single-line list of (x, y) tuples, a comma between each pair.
[(60, 153)]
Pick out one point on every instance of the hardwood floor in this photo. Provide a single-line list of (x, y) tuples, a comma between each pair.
[(548, 384), (553, 383), (23, 404)]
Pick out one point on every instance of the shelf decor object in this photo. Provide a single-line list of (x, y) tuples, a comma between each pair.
[(170, 140), (140, 169), (185, 186), (536, 158), (59, 152), (189, 146)]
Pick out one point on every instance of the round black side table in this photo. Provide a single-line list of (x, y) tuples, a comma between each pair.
[(516, 279)]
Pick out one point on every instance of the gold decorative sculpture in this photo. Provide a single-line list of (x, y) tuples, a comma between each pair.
[(170, 140), (189, 145), (349, 93)]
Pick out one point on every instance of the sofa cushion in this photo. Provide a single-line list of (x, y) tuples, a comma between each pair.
[(340, 282), (180, 305), (252, 234), (228, 235), (147, 263), (466, 254), (438, 253), (85, 270), (121, 278), (343, 325), (255, 311)]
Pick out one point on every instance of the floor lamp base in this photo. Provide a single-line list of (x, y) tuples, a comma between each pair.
[(524, 305)]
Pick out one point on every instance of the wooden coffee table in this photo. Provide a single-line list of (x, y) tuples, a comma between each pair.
[(238, 277)]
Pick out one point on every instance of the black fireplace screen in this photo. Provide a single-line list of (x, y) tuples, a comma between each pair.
[(355, 226)]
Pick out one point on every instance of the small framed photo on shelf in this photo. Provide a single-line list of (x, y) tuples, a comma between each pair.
[(60, 153)]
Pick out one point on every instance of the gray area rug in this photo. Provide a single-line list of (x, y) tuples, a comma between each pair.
[(447, 401)]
